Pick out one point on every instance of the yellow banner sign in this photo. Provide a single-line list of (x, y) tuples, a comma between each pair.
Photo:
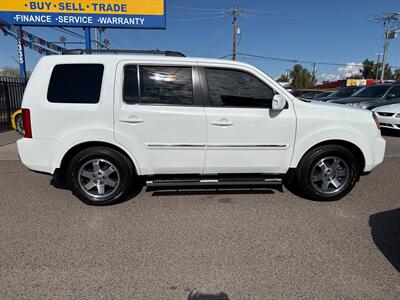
[(85, 13), (119, 7)]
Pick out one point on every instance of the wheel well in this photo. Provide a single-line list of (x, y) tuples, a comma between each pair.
[(348, 145), (76, 149)]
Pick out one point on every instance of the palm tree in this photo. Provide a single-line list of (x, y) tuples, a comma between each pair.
[(106, 43), (63, 40)]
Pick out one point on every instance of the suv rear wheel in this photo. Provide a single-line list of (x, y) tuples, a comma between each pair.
[(101, 176), (327, 173)]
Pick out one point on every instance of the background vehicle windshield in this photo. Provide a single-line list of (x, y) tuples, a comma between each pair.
[(344, 92), (309, 95), (373, 91)]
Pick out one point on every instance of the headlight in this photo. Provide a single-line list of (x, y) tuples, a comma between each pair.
[(376, 119), (398, 116), (356, 104)]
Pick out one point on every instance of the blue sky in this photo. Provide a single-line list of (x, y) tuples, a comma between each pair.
[(331, 31)]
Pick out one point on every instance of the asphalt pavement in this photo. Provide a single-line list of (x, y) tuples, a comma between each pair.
[(242, 244)]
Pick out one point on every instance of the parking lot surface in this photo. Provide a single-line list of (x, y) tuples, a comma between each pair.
[(248, 244)]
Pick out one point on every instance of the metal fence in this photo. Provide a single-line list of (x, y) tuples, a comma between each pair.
[(11, 92)]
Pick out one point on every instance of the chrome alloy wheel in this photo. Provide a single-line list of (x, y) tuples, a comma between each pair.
[(99, 178), (330, 175), (19, 124)]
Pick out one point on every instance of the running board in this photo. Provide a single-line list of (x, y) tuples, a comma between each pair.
[(213, 182)]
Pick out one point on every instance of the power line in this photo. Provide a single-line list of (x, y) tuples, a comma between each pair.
[(199, 8), (114, 40), (196, 13), (136, 39), (221, 29), (291, 60), (69, 32), (197, 19), (261, 57)]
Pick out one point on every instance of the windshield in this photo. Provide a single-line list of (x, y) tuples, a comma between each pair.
[(324, 94), (344, 92), (373, 91)]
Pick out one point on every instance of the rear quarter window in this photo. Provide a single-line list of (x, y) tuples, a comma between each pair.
[(76, 83)]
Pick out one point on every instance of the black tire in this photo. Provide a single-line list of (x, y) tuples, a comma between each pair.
[(19, 124), (307, 182), (123, 172)]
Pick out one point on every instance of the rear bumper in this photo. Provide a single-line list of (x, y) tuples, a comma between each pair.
[(376, 155), (37, 154)]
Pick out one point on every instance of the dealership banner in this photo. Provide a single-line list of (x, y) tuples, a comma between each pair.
[(145, 14)]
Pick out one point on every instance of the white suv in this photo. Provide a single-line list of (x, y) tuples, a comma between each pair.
[(108, 123)]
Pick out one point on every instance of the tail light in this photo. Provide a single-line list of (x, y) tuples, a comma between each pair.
[(26, 120)]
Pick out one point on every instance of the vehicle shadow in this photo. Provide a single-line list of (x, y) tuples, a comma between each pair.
[(385, 230), (200, 296), (390, 132)]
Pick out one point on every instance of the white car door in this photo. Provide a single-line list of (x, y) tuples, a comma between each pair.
[(157, 117), (244, 135)]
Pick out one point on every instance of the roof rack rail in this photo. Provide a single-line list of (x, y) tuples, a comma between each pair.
[(115, 51)]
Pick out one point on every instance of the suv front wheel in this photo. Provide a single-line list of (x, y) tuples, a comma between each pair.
[(100, 176), (327, 173)]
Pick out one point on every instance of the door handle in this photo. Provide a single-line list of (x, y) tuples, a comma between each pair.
[(222, 122), (132, 119)]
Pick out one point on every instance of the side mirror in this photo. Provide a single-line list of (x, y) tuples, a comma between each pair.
[(390, 96), (278, 102)]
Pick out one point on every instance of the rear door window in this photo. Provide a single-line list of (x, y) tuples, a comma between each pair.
[(158, 85), (76, 83), (166, 85)]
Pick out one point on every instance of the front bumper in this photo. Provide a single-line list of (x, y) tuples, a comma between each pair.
[(376, 155), (389, 122)]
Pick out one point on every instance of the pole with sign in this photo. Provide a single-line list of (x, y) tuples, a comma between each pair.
[(87, 14), (88, 38)]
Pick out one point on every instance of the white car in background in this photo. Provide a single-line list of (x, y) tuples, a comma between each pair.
[(389, 116)]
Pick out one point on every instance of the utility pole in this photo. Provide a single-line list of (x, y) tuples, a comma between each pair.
[(96, 37), (390, 22), (88, 40), (235, 11), (377, 65), (385, 47), (314, 72), (234, 14)]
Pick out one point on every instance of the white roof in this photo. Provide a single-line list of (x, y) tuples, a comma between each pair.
[(156, 58)]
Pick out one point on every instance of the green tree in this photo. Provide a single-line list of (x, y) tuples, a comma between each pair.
[(396, 74), (301, 77), (12, 72), (283, 78), (372, 70), (9, 72), (369, 69)]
